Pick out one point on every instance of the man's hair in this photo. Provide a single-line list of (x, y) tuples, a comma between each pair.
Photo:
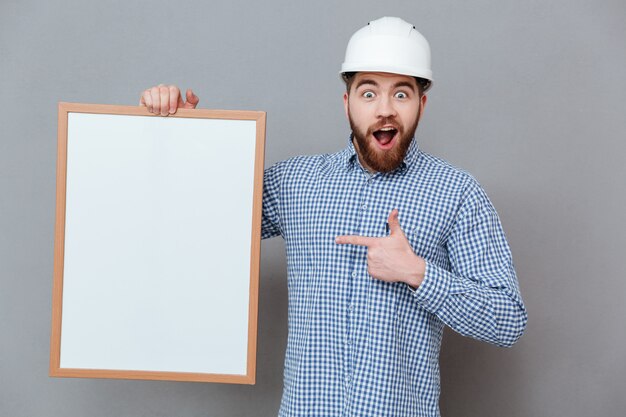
[(348, 78)]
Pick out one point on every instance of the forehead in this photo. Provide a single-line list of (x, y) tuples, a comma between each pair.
[(383, 79)]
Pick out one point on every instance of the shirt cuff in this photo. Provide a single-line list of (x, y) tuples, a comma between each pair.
[(434, 289)]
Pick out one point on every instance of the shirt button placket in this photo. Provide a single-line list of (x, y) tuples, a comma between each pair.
[(348, 345), (348, 348), (351, 318)]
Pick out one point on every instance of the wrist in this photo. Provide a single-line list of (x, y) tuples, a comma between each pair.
[(416, 276)]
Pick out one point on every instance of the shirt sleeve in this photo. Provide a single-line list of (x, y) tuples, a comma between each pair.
[(479, 297), (271, 219)]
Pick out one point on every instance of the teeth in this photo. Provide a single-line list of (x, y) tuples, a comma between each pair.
[(387, 129)]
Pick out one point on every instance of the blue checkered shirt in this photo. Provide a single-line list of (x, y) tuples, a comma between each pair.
[(358, 346)]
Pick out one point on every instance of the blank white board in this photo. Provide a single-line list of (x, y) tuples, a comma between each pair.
[(157, 244)]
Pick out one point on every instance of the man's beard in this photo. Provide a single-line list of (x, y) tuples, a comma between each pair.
[(383, 160)]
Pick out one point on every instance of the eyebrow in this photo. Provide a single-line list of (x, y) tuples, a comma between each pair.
[(405, 84), (368, 81), (364, 82)]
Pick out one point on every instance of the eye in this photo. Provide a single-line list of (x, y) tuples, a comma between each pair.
[(401, 94), (368, 94)]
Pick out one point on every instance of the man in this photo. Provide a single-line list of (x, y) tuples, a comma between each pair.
[(385, 244)]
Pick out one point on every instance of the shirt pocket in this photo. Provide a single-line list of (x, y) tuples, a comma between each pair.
[(419, 238)]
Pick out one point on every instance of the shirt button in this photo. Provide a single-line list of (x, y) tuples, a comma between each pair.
[(348, 342), (354, 275), (364, 206), (351, 307)]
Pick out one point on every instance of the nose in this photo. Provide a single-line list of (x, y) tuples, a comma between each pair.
[(385, 108)]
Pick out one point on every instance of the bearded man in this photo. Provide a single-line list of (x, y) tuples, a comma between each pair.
[(385, 245)]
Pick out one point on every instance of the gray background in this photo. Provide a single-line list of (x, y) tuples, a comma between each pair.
[(528, 96)]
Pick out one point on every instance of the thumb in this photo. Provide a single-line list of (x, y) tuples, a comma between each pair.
[(192, 100), (394, 223)]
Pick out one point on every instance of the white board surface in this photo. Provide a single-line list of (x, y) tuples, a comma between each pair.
[(157, 243)]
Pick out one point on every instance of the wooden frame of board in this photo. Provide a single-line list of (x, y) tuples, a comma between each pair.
[(109, 230)]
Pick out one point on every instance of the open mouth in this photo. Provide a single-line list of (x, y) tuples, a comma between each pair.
[(385, 136)]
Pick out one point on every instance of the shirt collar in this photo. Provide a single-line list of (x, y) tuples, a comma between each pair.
[(350, 158)]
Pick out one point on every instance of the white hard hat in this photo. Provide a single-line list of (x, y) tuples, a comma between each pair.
[(389, 44)]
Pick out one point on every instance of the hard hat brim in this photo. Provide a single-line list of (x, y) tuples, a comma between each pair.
[(390, 69)]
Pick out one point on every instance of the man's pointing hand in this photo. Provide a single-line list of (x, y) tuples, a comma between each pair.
[(390, 258)]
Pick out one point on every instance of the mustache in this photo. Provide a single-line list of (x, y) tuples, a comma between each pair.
[(387, 121)]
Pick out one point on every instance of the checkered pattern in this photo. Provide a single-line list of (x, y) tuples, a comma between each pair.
[(358, 346)]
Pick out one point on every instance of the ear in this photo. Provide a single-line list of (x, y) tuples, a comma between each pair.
[(345, 103), (423, 101)]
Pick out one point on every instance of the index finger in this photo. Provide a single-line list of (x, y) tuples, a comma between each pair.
[(355, 240), (174, 96)]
